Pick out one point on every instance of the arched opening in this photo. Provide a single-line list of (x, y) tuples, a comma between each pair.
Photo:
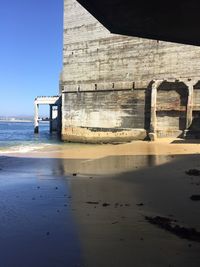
[(171, 109)]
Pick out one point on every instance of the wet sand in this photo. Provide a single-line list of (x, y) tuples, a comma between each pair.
[(92, 151), (85, 205)]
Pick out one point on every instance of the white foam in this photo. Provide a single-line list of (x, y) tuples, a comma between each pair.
[(23, 149)]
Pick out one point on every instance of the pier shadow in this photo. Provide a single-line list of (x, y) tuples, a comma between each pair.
[(84, 212)]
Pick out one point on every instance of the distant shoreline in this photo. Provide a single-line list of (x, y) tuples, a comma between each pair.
[(16, 121)]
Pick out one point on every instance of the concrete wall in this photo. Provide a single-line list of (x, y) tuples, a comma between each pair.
[(102, 67), (89, 116)]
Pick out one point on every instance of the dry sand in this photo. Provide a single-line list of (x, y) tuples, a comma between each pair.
[(85, 205)]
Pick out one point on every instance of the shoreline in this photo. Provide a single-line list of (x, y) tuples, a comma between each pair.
[(15, 121), (94, 151)]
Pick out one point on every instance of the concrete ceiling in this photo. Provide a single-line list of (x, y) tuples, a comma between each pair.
[(171, 20)]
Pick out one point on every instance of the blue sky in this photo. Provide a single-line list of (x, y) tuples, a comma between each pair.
[(30, 53)]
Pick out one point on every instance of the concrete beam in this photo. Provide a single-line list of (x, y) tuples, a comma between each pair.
[(47, 100)]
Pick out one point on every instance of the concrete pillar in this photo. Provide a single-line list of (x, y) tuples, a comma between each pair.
[(50, 119), (189, 106), (36, 124), (55, 118), (189, 110), (153, 120), (59, 123), (153, 108), (152, 134)]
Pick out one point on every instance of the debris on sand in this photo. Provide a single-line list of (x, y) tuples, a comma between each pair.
[(92, 202), (193, 172), (74, 174), (195, 197), (115, 222), (105, 204), (171, 226), (140, 204)]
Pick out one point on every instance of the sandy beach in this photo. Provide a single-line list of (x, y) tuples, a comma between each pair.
[(86, 205)]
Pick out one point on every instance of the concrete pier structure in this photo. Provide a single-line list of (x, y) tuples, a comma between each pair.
[(54, 115), (119, 88)]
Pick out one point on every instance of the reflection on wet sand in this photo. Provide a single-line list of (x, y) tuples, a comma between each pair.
[(91, 211), (109, 165)]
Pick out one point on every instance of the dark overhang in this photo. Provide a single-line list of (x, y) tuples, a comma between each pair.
[(171, 20)]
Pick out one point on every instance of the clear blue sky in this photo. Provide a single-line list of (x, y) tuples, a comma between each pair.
[(30, 52)]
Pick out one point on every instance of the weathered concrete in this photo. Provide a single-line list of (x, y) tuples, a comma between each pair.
[(107, 115), (171, 107), (116, 87), (54, 118), (92, 56)]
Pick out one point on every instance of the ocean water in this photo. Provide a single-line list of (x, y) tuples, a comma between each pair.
[(20, 137)]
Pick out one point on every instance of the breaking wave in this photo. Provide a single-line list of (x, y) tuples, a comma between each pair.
[(23, 148)]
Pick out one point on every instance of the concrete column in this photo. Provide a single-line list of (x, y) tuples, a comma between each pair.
[(153, 120), (59, 121), (152, 134), (50, 119), (36, 124), (189, 106), (153, 108)]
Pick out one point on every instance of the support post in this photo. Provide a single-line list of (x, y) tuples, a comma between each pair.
[(36, 124), (189, 106), (153, 108), (152, 134), (50, 119), (59, 123)]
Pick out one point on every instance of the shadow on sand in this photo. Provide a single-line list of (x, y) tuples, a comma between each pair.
[(53, 211)]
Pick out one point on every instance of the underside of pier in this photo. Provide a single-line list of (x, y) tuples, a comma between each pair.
[(173, 20)]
